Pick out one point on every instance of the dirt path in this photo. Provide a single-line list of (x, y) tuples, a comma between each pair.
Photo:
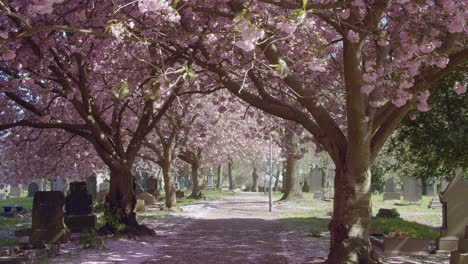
[(236, 229)]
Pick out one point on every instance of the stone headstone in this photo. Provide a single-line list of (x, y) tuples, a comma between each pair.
[(147, 197), (2, 196), (390, 185), (16, 191), (140, 206), (391, 196), (78, 207), (32, 189), (78, 200), (104, 186), (180, 194), (430, 190), (210, 184), (60, 185), (412, 189), (91, 186), (316, 180), (47, 219)]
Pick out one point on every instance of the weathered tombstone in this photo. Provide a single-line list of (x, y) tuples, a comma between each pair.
[(181, 181), (412, 189), (104, 186), (209, 180), (454, 214), (78, 207), (91, 186), (32, 189), (2, 196), (430, 189), (59, 185), (16, 191), (147, 197), (390, 191), (140, 206), (47, 219), (316, 179), (390, 185)]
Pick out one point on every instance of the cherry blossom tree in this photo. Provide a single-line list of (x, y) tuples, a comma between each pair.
[(347, 71), (94, 88)]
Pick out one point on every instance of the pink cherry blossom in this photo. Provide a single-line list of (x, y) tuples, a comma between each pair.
[(459, 88)]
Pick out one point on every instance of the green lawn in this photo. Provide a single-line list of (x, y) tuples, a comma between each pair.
[(12, 222), (25, 201), (422, 206), (209, 194), (414, 230)]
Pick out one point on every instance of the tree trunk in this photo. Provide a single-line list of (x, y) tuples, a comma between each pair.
[(278, 167), (350, 226), (254, 177), (169, 186), (196, 188), (231, 179), (291, 187), (220, 177), (120, 204)]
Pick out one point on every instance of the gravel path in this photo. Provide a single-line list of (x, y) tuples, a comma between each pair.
[(236, 229)]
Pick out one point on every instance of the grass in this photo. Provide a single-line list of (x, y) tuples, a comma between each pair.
[(25, 201), (422, 206), (310, 222), (414, 230), (209, 194)]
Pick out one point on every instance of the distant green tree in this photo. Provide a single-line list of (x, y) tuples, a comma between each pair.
[(431, 144)]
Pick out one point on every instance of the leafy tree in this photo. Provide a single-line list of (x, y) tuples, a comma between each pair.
[(433, 143)]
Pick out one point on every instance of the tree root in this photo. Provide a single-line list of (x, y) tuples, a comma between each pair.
[(352, 251), (130, 231)]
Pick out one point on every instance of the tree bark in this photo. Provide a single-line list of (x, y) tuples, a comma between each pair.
[(220, 177), (196, 188), (291, 187), (278, 167), (351, 217), (231, 177), (169, 186), (120, 204), (254, 177)]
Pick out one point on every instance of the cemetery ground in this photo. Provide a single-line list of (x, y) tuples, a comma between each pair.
[(229, 228)]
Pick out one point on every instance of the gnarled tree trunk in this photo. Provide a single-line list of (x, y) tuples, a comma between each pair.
[(196, 188), (278, 167), (291, 187), (254, 177), (230, 176), (350, 226), (120, 204), (220, 177), (169, 186)]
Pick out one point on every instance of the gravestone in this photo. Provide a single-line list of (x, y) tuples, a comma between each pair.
[(454, 214), (390, 185), (210, 184), (160, 181), (412, 189), (59, 185), (147, 197), (2, 196), (140, 206), (181, 181), (78, 207), (152, 185), (16, 191), (32, 189), (316, 180), (91, 186), (430, 189), (47, 219), (390, 191), (104, 186)]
